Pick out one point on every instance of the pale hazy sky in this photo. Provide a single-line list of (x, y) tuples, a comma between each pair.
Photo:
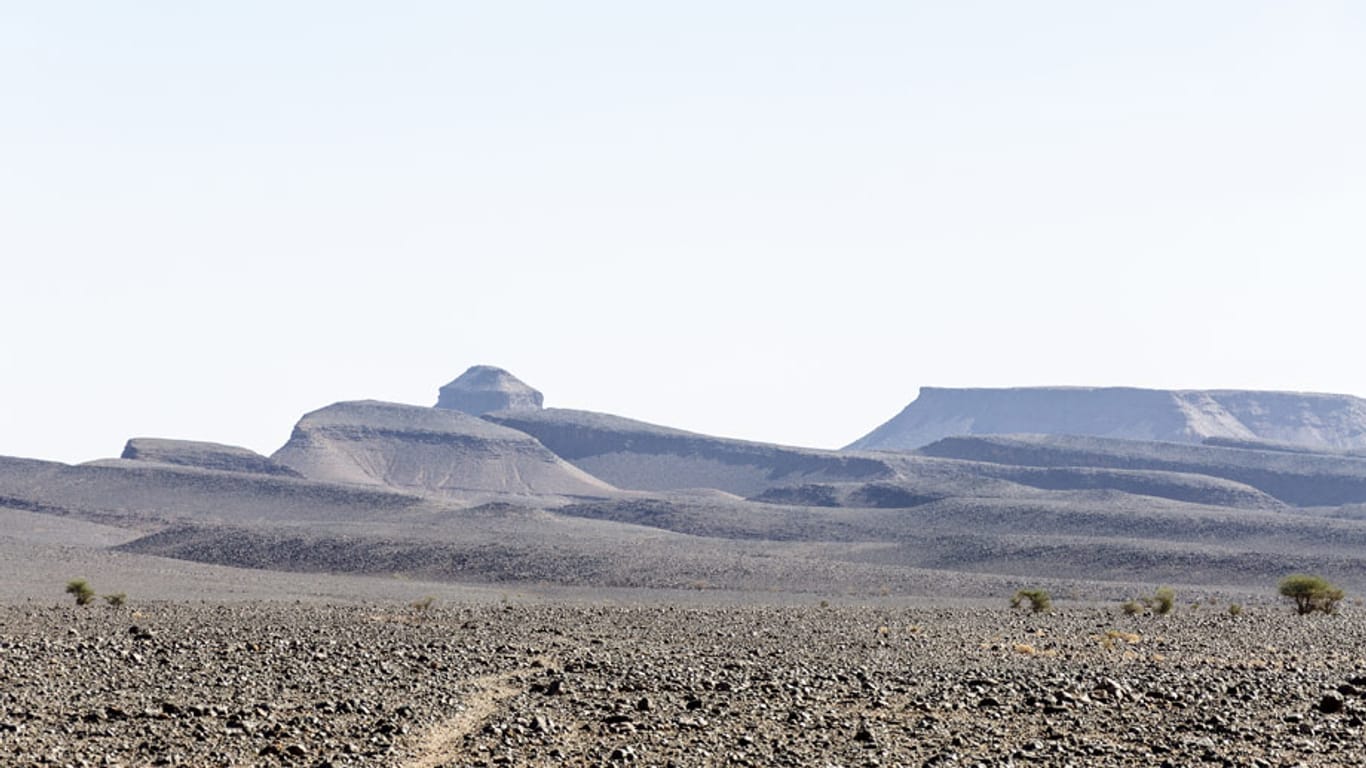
[(771, 220)]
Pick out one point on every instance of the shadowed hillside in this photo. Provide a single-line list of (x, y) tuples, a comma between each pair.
[(634, 454), (1302, 479)]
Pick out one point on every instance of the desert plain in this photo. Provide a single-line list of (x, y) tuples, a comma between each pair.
[(509, 585)]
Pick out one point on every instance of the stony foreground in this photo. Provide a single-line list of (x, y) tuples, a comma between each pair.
[(399, 685)]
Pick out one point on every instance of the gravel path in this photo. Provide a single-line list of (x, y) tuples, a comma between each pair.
[(308, 684)]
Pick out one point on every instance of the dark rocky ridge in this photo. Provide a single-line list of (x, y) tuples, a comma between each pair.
[(925, 481), (1320, 421), (636, 455), (1302, 479), (189, 453), (640, 456), (484, 388)]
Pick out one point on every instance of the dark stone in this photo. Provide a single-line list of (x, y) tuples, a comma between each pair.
[(1331, 704), (864, 734)]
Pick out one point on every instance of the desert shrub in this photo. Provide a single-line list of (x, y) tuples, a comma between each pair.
[(117, 599), (1162, 601), (1159, 603), (80, 589), (1038, 600), (1235, 609), (1311, 593), (423, 604)]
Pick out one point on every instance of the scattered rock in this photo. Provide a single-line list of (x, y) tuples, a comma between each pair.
[(349, 686), (1331, 704)]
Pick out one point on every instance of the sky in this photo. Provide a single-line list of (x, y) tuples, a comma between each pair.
[(769, 220)]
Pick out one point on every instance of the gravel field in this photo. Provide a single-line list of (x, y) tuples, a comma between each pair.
[(389, 684)]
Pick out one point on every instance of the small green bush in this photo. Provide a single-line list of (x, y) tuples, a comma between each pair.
[(1311, 593), (1038, 600), (1235, 609), (117, 599), (424, 603), (1131, 607), (80, 589)]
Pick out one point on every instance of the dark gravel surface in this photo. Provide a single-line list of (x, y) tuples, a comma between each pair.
[(307, 684)]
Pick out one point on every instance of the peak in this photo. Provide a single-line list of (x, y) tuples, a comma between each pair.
[(485, 388)]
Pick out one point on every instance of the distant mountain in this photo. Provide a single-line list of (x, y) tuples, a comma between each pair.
[(1229, 496), (484, 388), (1317, 421), (427, 450), (640, 456)]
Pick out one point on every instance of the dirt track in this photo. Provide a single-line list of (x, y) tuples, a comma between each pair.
[(390, 685)]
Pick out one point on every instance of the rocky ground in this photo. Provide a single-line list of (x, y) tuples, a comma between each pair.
[(311, 684)]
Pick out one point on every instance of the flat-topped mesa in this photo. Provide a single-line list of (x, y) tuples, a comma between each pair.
[(483, 389), (1317, 421), (193, 453)]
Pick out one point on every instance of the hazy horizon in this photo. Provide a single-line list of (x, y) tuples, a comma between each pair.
[(773, 221)]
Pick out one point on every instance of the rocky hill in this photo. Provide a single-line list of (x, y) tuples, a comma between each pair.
[(190, 453), (427, 450), (484, 388), (1318, 421)]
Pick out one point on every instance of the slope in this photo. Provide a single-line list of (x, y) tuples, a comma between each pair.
[(427, 450), (636, 455)]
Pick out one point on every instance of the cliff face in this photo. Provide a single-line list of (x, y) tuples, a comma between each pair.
[(427, 450), (1322, 422)]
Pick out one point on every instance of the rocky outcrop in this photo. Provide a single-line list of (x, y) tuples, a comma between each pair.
[(483, 389), (427, 450), (1184, 416), (189, 453)]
